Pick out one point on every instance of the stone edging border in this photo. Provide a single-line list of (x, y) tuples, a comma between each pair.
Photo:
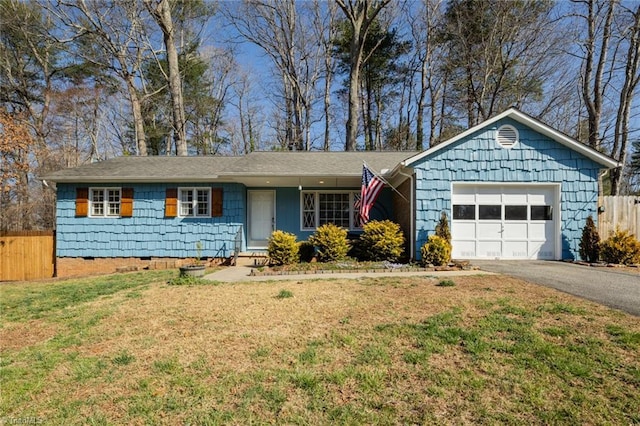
[(256, 273)]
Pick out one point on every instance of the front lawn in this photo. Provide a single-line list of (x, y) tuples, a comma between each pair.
[(131, 349)]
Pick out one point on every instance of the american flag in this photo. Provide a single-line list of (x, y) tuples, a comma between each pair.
[(371, 187)]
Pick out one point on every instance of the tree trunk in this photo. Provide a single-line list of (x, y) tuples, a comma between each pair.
[(360, 14), (631, 79), (352, 119), (138, 122), (162, 15), (593, 100)]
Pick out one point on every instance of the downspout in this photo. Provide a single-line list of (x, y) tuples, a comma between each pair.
[(412, 222)]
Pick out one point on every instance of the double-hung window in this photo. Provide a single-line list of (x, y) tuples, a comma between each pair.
[(320, 208), (195, 202), (104, 202)]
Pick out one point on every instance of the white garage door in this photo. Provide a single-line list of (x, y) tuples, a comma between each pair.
[(504, 221)]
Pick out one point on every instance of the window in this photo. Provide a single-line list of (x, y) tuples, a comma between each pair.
[(104, 202), (464, 211), (320, 208), (541, 213), (515, 212), (490, 212), (194, 202)]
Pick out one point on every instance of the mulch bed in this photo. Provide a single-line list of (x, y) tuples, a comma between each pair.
[(320, 268)]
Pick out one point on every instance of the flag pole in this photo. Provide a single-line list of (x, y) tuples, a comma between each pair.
[(384, 181)]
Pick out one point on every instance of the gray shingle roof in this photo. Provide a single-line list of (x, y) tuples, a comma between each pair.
[(200, 169)]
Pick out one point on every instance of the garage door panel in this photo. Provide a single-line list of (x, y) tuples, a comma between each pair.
[(541, 198), (464, 230), (489, 198), (540, 250), (515, 199), (517, 230), (515, 249), (464, 249), (490, 230), (464, 198), (539, 231), (490, 249)]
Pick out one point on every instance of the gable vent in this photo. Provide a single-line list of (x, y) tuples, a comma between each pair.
[(507, 136)]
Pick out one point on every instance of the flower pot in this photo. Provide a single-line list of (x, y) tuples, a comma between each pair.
[(192, 271)]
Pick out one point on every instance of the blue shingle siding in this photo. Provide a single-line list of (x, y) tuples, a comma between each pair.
[(535, 159), (148, 232)]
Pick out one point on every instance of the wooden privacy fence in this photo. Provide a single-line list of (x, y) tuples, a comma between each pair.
[(621, 212), (27, 255)]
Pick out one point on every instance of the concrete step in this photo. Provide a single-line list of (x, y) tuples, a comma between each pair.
[(252, 259)]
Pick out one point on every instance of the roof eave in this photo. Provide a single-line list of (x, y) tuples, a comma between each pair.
[(127, 179), (531, 122)]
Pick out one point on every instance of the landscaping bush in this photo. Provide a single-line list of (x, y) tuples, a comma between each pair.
[(621, 247), (306, 250), (283, 248), (382, 240), (590, 242), (331, 243), (442, 228), (436, 251)]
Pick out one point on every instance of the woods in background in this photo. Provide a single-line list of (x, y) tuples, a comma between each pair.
[(85, 80)]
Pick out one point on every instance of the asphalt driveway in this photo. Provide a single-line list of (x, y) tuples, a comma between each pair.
[(608, 286)]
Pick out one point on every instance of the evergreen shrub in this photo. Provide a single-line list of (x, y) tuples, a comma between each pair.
[(442, 228), (331, 243), (590, 242), (283, 248), (621, 248), (436, 251), (382, 240)]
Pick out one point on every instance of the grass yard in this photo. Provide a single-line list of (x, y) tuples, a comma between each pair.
[(131, 349)]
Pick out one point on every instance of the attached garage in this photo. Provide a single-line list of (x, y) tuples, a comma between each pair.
[(505, 221), (512, 188)]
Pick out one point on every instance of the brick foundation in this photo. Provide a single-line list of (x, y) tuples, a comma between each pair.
[(78, 266)]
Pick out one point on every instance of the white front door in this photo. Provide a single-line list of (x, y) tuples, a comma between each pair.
[(262, 218)]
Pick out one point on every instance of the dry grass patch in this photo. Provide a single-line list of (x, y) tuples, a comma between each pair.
[(384, 350)]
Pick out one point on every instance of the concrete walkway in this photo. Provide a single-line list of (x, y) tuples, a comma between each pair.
[(241, 273)]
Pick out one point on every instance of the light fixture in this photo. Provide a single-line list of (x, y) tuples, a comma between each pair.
[(321, 181), (299, 187)]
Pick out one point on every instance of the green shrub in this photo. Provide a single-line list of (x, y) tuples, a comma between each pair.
[(283, 248), (621, 247), (331, 243), (590, 242), (306, 250), (382, 240), (436, 251), (442, 228)]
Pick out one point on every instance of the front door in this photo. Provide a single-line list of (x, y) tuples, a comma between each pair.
[(262, 218)]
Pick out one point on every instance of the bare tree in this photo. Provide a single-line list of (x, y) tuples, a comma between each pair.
[(631, 35), (112, 37), (249, 122), (596, 48), (324, 31), (610, 60), (423, 23), (161, 12), (274, 27), (360, 14)]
